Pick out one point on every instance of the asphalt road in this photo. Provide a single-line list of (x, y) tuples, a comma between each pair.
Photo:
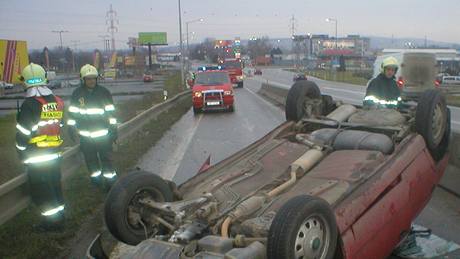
[(346, 92), (187, 145), (182, 150)]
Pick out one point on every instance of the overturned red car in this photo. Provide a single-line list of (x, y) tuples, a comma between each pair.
[(212, 90), (334, 181)]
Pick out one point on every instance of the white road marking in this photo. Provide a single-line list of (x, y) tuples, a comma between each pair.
[(172, 165)]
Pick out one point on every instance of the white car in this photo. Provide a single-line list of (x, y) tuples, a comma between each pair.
[(6, 85), (451, 80)]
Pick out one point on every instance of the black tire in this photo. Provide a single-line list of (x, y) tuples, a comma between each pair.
[(240, 85), (289, 221), (125, 192), (300, 92), (436, 132), (232, 108)]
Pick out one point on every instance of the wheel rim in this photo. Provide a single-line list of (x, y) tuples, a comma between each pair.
[(136, 212), (313, 238), (438, 124)]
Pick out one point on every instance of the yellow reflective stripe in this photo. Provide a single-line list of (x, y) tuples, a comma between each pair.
[(113, 121), (42, 158), (71, 122), (74, 109), (43, 138), (94, 134), (37, 139), (20, 147), (51, 115), (47, 143), (23, 130), (109, 107), (53, 211)]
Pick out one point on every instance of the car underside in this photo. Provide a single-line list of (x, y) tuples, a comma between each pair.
[(333, 181)]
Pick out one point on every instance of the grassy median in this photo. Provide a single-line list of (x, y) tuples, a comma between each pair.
[(18, 238)]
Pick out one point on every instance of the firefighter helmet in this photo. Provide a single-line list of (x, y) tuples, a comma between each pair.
[(88, 71), (33, 75), (389, 62)]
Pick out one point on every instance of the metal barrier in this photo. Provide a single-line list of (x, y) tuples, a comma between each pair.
[(14, 195)]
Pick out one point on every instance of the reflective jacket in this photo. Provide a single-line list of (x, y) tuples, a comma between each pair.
[(39, 122), (383, 91), (91, 112)]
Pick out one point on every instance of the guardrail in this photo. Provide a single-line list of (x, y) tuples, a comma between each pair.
[(14, 195)]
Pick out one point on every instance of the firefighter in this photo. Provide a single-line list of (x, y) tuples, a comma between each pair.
[(383, 91), (38, 143), (91, 116)]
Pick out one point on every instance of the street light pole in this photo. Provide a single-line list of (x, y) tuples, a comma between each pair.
[(186, 37), (336, 22), (181, 46)]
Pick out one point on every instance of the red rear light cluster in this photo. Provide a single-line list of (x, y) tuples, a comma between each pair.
[(437, 83), (400, 82)]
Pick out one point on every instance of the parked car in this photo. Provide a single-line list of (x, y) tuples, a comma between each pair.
[(321, 185), (299, 76), (148, 77), (451, 80), (6, 85)]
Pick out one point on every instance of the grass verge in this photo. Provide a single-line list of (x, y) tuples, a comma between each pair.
[(453, 100), (18, 238)]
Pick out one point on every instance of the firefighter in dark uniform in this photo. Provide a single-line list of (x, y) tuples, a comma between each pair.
[(383, 91), (91, 115), (38, 143)]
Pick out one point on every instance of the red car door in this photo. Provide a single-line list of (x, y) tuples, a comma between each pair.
[(382, 210)]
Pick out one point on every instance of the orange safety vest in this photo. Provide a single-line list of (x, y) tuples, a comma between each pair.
[(48, 129)]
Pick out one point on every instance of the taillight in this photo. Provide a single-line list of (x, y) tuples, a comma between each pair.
[(228, 92), (197, 94), (400, 82), (437, 83)]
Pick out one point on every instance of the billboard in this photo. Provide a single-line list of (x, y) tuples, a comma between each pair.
[(153, 38)]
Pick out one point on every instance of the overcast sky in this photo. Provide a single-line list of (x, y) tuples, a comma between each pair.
[(84, 19)]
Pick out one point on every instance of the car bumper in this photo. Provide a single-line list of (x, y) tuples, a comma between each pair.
[(213, 104)]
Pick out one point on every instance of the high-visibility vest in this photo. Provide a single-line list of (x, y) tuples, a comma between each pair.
[(48, 129)]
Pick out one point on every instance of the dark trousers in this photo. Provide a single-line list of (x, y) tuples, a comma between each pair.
[(45, 184), (98, 154)]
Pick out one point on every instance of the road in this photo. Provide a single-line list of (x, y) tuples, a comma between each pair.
[(182, 150), (347, 92), (187, 145)]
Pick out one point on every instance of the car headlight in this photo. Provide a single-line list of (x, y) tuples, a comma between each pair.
[(197, 94), (228, 92)]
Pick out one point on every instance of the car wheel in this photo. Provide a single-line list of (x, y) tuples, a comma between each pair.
[(432, 121), (299, 100), (125, 217), (240, 85), (304, 227), (231, 108)]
